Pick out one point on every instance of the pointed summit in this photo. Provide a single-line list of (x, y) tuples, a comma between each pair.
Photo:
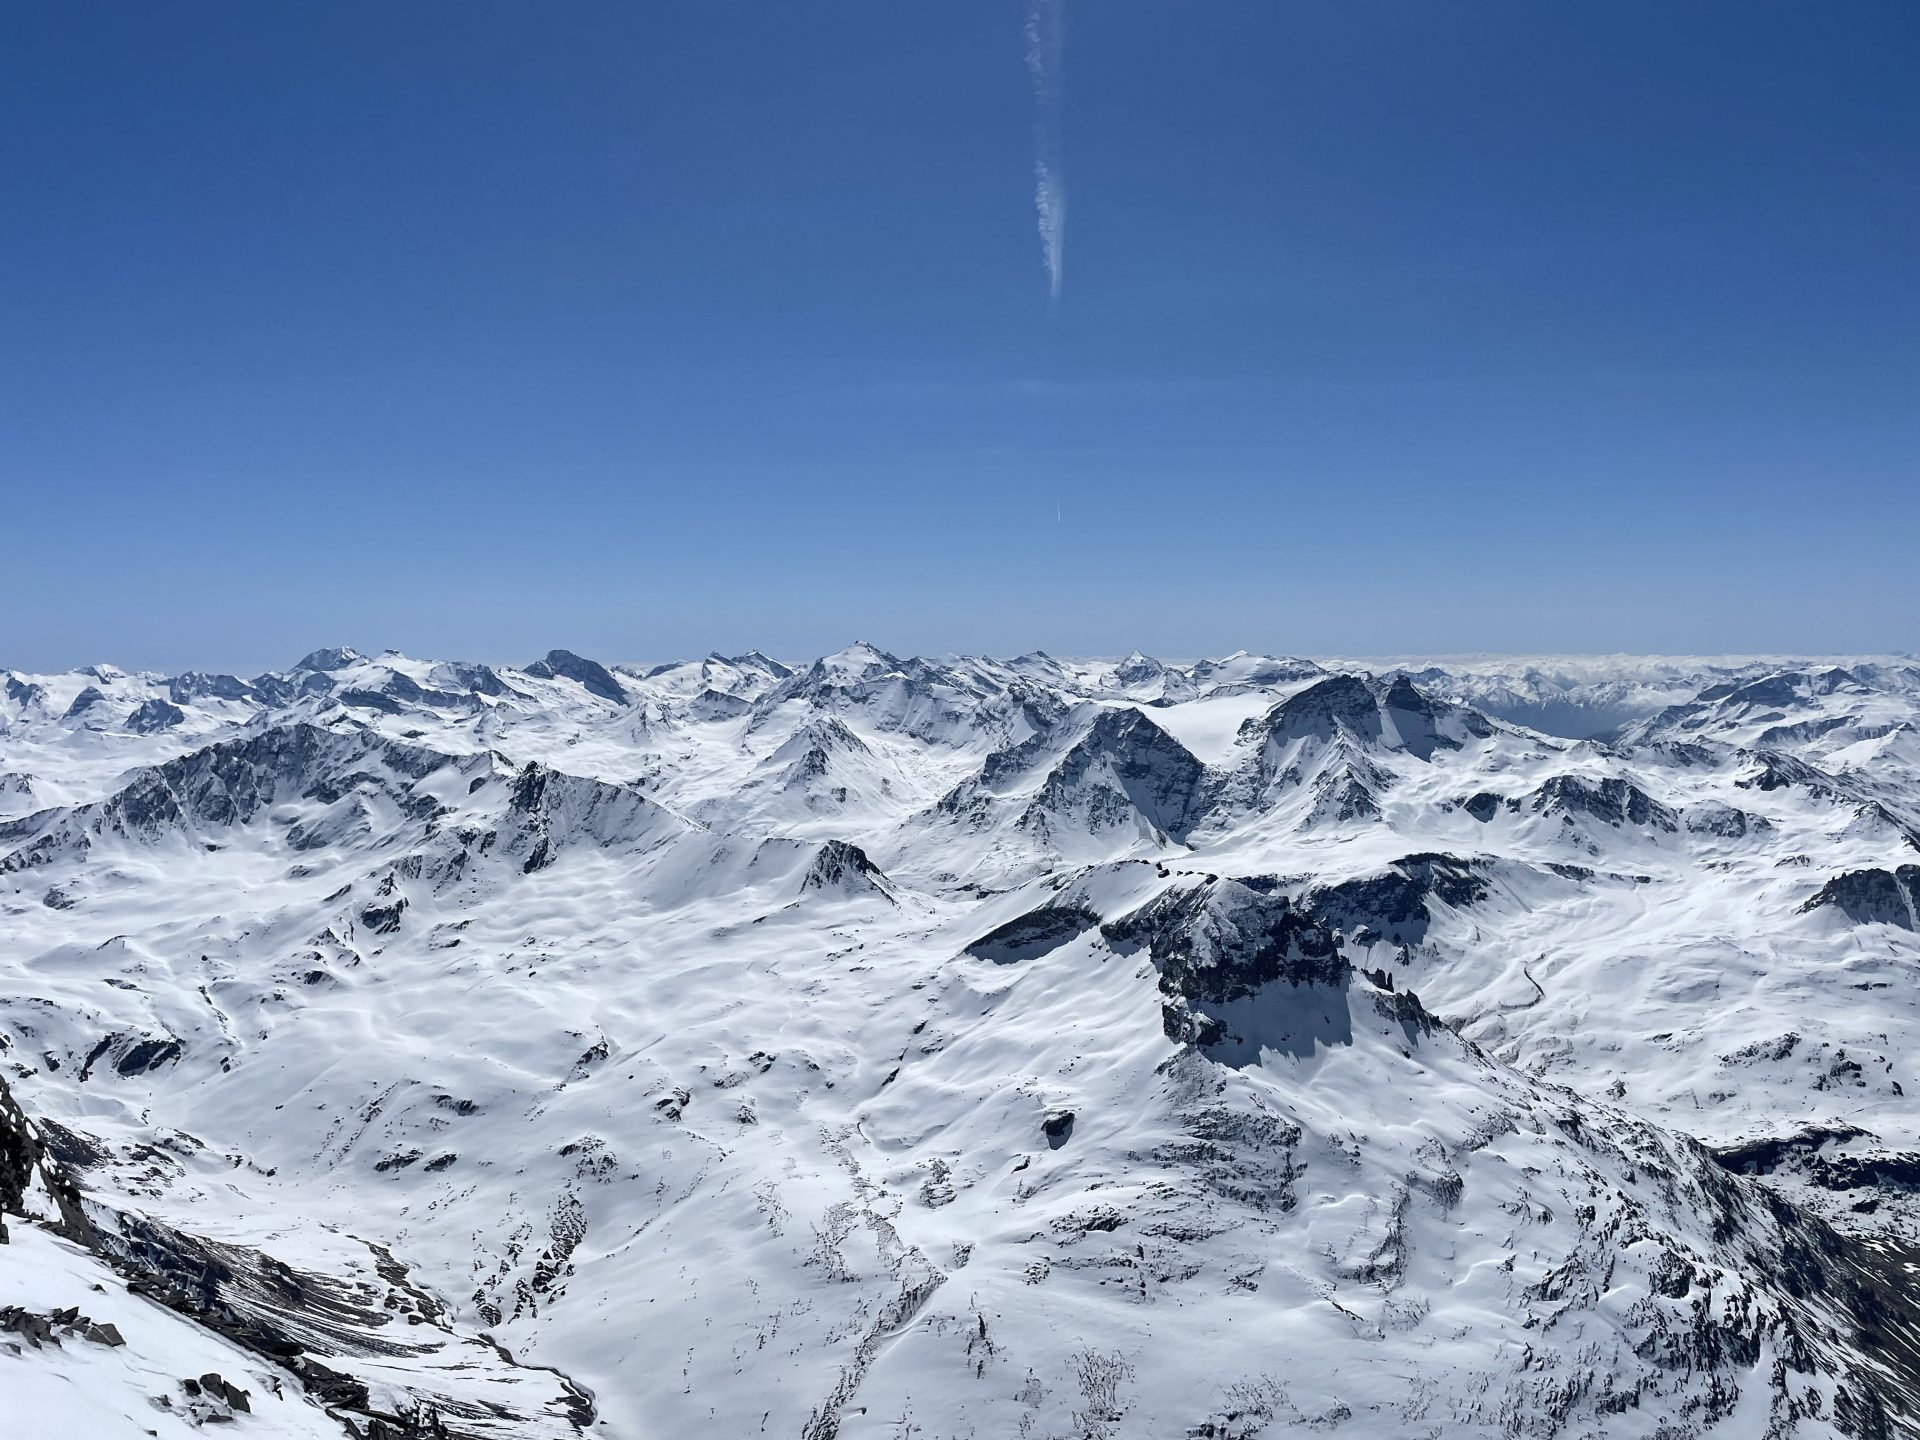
[(338, 657), (859, 661)]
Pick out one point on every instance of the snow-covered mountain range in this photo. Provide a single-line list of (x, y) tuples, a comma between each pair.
[(960, 1047)]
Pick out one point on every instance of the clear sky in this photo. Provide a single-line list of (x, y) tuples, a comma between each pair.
[(645, 328)]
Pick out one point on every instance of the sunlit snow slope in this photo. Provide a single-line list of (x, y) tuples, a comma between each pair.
[(962, 1047)]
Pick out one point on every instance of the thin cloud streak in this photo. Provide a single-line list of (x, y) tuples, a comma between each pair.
[(1046, 52)]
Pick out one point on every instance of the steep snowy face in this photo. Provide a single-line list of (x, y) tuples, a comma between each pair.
[(589, 675), (330, 785), (884, 1045), (737, 677), (1347, 712), (1096, 782), (1855, 721), (1254, 672)]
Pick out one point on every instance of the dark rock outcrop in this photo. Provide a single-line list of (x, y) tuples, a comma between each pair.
[(336, 657), (844, 867), (594, 677), (27, 1161), (1393, 715), (231, 783), (1612, 801), (1240, 970), (1036, 933), (1154, 773), (26, 694), (1724, 821), (1873, 897), (150, 717), (1482, 807), (1394, 904), (193, 685), (1321, 710), (84, 703), (1814, 1155)]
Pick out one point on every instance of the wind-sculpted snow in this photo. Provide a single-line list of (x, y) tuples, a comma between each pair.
[(958, 1046)]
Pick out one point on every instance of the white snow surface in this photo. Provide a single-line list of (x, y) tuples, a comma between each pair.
[(963, 1047), (88, 1388)]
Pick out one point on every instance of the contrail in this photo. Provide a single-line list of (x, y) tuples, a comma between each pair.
[(1046, 49)]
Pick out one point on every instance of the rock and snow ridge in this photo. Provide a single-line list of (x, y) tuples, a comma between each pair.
[(958, 1046)]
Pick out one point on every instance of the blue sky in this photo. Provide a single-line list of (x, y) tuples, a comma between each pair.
[(647, 328)]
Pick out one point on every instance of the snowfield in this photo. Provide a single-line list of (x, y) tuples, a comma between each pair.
[(962, 1048)]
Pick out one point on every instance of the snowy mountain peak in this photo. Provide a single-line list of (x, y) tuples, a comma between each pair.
[(338, 657), (1048, 1046), (595, 678), (1393, 715), (859, 661)]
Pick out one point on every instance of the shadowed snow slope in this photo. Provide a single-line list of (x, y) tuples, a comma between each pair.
[(963, 1047)]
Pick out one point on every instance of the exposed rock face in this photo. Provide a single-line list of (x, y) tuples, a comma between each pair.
[(1221, 948), (295, 1319), (1874, 897), (273, 690), (1244, 672), (85, 703), (1321, 711), (608, 1018), (1037, 933), (395, 691), (844, 868), (132, 1055), (1094, 776), (809, 754), (1348, 790), (26, 694), (228, 784), (1394, 715), (1777, 770), (1613, 801), (1483, 806), (459, 675), (1138, 669), (565, 665), (1343, 741), (152, 716), (33, 1183), (1126, 762), (1725, 821), (194, 685), (753, 660), (20, 1151), (716, 705), (338, 657), (549, 810), (51, 1328), (1395, 904)]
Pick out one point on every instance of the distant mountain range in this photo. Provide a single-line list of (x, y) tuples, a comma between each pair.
[(1033, 1047)]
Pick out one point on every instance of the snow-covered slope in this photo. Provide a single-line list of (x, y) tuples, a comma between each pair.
[(877, 1046)]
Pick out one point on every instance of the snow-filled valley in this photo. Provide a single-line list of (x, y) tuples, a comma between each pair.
[(958, 1047)]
